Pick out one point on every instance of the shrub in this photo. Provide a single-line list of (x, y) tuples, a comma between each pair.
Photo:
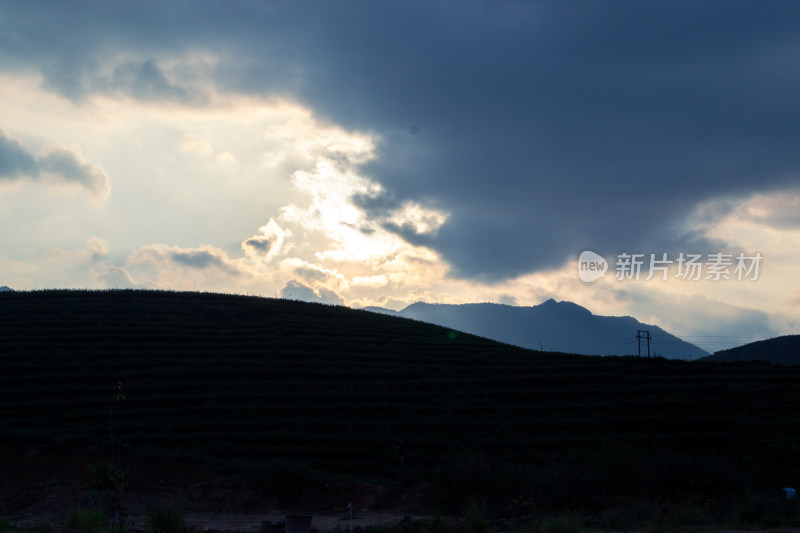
[(86, 520), (629, 517), (463, 480), (567, 523), (430, 525), (166, 519), (5, 525), (475, 520), (766, 510), (105, 476)]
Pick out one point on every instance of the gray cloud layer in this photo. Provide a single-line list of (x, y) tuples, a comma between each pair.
[(54, 162), (544, 128), (15, 161), (262, 245), (201, 259), (297, 291)]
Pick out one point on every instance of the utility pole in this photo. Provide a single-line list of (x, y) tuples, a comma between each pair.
[(639, 338)]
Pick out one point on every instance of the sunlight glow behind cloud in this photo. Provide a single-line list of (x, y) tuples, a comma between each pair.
[(322, 239), (330, 157), (319, 240)]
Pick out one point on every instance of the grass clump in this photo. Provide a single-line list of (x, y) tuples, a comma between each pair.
[(166, 519), (106, 476), (766, 510), (475, 520), (436, 524), (565, 523), (86, 520)]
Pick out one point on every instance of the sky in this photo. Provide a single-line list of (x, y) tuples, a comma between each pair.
[(382, 153)]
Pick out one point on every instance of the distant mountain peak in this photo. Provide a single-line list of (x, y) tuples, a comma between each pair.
[(6, 288), (552, 326), (568, 306)]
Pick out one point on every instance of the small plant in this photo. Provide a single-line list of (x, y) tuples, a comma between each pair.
[(475, 519), (464, 480), (766, 510), (105, 476), (567, 523), (612, 519), (429, 525), (86, 520), (5, 525), (166, 519), (521, 507)]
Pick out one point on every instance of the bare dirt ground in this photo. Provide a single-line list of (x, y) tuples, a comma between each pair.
[(38, 486)]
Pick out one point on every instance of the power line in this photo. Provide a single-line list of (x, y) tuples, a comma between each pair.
[(609, 343), (607, 346)]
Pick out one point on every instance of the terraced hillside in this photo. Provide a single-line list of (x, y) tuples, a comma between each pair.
[(784, 350), (261, 384)]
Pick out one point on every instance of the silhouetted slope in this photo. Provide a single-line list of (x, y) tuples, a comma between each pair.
[(784, 350), (282, 390), (234, 375), (554, 326)]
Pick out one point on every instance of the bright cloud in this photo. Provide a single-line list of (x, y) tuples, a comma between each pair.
[(192, 143), (264, 151), (322, 239)]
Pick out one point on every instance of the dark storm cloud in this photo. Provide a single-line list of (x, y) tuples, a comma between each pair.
[(562, 127), (547, 128), (146, 81), (543, 128), (785, 220)]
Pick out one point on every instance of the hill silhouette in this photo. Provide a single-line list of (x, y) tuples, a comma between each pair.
[(292, 396), (783, 350), (554, 326)]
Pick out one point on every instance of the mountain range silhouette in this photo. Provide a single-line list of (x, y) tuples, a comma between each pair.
[(552, 326)]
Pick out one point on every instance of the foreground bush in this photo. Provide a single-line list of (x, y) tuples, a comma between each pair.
[(766, 510), (86, 520), (166, 519), (567, 523)]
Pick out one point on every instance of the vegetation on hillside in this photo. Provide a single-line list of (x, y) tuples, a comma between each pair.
[(291, 393), (784, 350)]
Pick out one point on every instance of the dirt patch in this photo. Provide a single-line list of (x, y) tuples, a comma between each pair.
[(39, 484)]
